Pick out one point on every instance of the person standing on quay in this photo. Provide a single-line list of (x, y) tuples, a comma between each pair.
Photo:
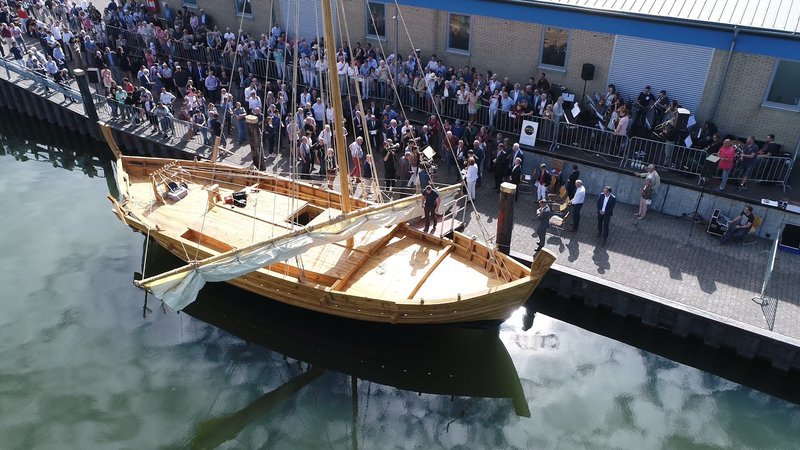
[(516, 176), (356, 153), (543, 179), (605, 209), (651, 183), (471, 177), (577, 204), (571, 181), (544, 213)]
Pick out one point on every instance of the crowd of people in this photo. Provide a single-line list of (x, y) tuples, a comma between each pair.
[(151, 82)]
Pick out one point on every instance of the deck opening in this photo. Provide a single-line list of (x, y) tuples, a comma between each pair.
[(305, 215)]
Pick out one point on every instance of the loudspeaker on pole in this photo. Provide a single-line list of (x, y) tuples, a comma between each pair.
[(587, 72)]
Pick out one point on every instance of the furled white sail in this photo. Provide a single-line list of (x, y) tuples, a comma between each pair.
[(180, 287)]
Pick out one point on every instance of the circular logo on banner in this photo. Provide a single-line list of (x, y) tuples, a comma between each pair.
[(528, 130)]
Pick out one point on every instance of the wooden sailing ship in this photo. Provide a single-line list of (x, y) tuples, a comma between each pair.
[(313, 247), (393, 273)]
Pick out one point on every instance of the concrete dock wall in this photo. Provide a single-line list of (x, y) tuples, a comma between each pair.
[(715, 331)]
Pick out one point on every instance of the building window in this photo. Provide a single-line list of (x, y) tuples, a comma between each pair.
[(244, 8), (458, 35), (554, 47), (190, 3), (376, 19), (784, 90)]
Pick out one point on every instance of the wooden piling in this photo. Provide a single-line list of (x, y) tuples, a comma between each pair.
[(88, 103), (505, 217), (254, 136)]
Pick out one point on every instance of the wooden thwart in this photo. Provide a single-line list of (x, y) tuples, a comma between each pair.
[(444, 254)]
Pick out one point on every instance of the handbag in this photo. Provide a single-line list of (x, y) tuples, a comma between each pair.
[(647, 192)]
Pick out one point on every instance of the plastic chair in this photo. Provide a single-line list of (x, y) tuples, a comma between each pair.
[(757, 221)]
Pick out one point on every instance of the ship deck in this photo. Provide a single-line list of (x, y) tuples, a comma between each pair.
[(396, 263)]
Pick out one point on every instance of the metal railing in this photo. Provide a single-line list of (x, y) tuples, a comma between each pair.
[(173, 128), (636, 152), (665, 154), (593, 139), (43, 80), (690, 161), (451, 211)]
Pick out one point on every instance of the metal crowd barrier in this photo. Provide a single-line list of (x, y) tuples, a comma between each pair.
[(43, 80), (679, 158), (676, 157), (593, 139), (768, 169), (110, 110)]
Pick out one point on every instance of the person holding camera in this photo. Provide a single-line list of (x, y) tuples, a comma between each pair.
[(389, 163)]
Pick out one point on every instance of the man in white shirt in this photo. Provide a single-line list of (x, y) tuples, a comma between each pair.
[(253, 101), (250, 89), (319, 112), (577, 204), (229, 35), (166, 98)]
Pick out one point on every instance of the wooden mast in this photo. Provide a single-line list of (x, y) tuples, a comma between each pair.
[(336, 99)]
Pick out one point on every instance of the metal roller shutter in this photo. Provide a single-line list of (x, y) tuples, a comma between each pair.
[(680, 69)]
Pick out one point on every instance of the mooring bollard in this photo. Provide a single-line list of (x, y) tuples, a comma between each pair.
[(505, 217)]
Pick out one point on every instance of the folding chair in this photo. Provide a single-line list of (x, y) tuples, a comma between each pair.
[(526, 183), (560, 197), (757, 221), (559, 222)]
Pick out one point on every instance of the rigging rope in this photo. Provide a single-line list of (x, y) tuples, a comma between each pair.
[(342, 19), (463, 181), (235, 52)]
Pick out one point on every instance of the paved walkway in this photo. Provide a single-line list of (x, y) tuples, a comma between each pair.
[(658, 256)]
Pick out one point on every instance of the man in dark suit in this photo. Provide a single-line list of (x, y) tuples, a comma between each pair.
[(500, 164), (605, 209)]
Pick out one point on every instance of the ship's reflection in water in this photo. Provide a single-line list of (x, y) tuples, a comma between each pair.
[(450, 362)]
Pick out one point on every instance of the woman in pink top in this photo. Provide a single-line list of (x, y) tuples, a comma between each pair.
[(726, 154)]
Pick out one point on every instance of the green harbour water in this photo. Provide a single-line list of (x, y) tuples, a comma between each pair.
[(81, 366)]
